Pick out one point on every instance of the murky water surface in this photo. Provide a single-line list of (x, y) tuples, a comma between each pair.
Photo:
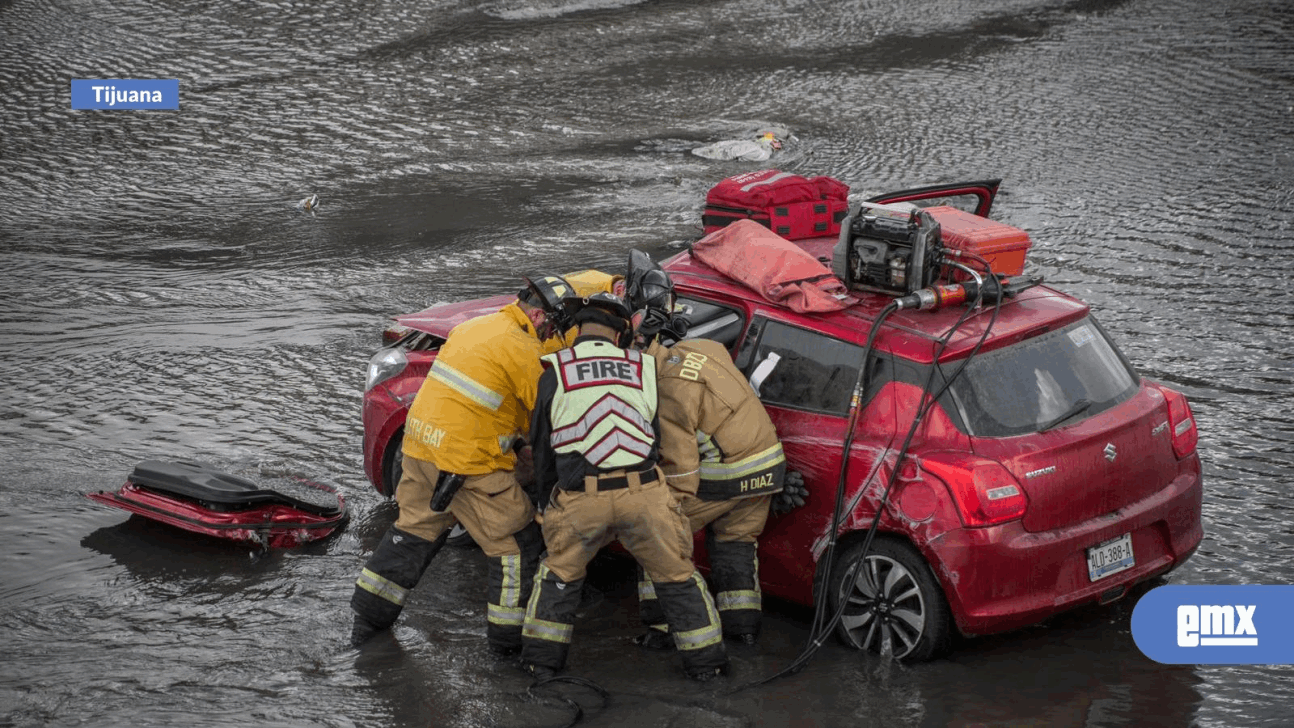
[(160, 296)]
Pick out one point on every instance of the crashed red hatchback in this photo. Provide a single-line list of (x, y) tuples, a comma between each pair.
[(1045, 473)]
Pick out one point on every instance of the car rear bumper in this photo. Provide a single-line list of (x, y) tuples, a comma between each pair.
[(1003, 577)]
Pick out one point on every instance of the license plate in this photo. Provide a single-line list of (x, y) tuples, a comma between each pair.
[(1110, 557)]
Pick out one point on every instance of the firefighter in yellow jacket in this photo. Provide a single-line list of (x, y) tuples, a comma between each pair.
[(720, 454), (595, 437), (459, 440)]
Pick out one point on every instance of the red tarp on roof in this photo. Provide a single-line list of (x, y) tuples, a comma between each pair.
[(776, 268)]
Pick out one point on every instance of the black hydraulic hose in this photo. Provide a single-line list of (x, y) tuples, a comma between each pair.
[(824, 584), (816, 637), (820, 630), (902, 453), (925, 407), (575, 706), (852, 571)]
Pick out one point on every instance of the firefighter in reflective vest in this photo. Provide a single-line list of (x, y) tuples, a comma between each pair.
[(459, 458), (596, 446), (719, 451)]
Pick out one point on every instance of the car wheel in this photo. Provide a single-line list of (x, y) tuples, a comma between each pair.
[(458, 536), (894, 603), (393, 465)]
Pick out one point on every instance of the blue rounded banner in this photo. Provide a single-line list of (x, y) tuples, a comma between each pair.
[(1216, 625), (126, 93)]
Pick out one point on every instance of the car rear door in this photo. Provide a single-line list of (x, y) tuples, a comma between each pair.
[(976, 196), (805, 379)]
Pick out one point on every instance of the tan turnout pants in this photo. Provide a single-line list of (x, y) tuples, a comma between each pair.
[(491, 507), (646, 519), (739, 520)]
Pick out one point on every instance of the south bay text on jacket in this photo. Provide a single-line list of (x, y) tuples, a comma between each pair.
[(477, 398)]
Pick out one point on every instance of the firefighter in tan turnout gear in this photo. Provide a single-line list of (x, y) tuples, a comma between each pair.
[(720, 454), (595, 437), (459, 458)]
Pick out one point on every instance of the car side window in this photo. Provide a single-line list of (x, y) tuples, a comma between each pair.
[(707, 320), (799, 368), (965, 203)]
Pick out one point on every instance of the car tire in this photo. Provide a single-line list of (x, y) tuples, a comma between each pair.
[(459, 537), (393, 465), (908, 609)]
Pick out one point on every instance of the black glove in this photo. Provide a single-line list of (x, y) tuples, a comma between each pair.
[(793, 495)]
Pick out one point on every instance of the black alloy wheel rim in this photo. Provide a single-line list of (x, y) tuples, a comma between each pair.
[(885, 605)]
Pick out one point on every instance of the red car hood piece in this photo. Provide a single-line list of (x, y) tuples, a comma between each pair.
[(438, 320), (199, 499)]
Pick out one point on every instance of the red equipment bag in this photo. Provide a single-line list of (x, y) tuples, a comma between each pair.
[(792, 206)]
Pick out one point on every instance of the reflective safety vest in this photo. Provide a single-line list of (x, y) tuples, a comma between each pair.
[(477, 398), (604, 404)]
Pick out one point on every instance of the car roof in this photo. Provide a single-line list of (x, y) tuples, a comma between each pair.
[(911, 334), (908, 333)]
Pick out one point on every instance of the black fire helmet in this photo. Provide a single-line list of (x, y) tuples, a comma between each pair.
[(607, 309), (549, 293), (647, 285)]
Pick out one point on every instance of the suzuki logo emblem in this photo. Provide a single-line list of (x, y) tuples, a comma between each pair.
[(1111, 452)]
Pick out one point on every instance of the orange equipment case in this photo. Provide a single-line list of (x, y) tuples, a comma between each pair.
[(1003, 246)]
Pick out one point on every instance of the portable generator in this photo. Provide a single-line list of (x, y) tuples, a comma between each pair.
[(887, 249)]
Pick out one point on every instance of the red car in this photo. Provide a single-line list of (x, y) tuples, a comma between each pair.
[(1046, 475)]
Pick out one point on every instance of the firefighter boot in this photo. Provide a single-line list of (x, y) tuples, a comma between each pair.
[(653, 617), (550, 621), (510, 580), (694, 623), (735, 577), (394, 568)]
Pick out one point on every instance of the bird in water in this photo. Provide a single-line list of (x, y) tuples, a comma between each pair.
[(745, 150), (309, 204)]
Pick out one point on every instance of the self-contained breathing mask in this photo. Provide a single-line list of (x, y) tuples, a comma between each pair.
[(548, 294), (650, 291)]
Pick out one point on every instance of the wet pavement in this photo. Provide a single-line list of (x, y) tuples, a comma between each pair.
[(161, 296)]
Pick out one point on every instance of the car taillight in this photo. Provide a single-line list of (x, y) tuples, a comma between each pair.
[(985, 492), (1181, 423)]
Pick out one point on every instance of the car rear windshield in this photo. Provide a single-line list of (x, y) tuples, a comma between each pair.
[(1051, 380)]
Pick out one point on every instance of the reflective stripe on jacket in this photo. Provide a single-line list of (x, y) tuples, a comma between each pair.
[(477, 398), (717, 440), (604, 404)]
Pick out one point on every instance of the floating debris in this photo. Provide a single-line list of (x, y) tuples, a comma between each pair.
[(745, 150)]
